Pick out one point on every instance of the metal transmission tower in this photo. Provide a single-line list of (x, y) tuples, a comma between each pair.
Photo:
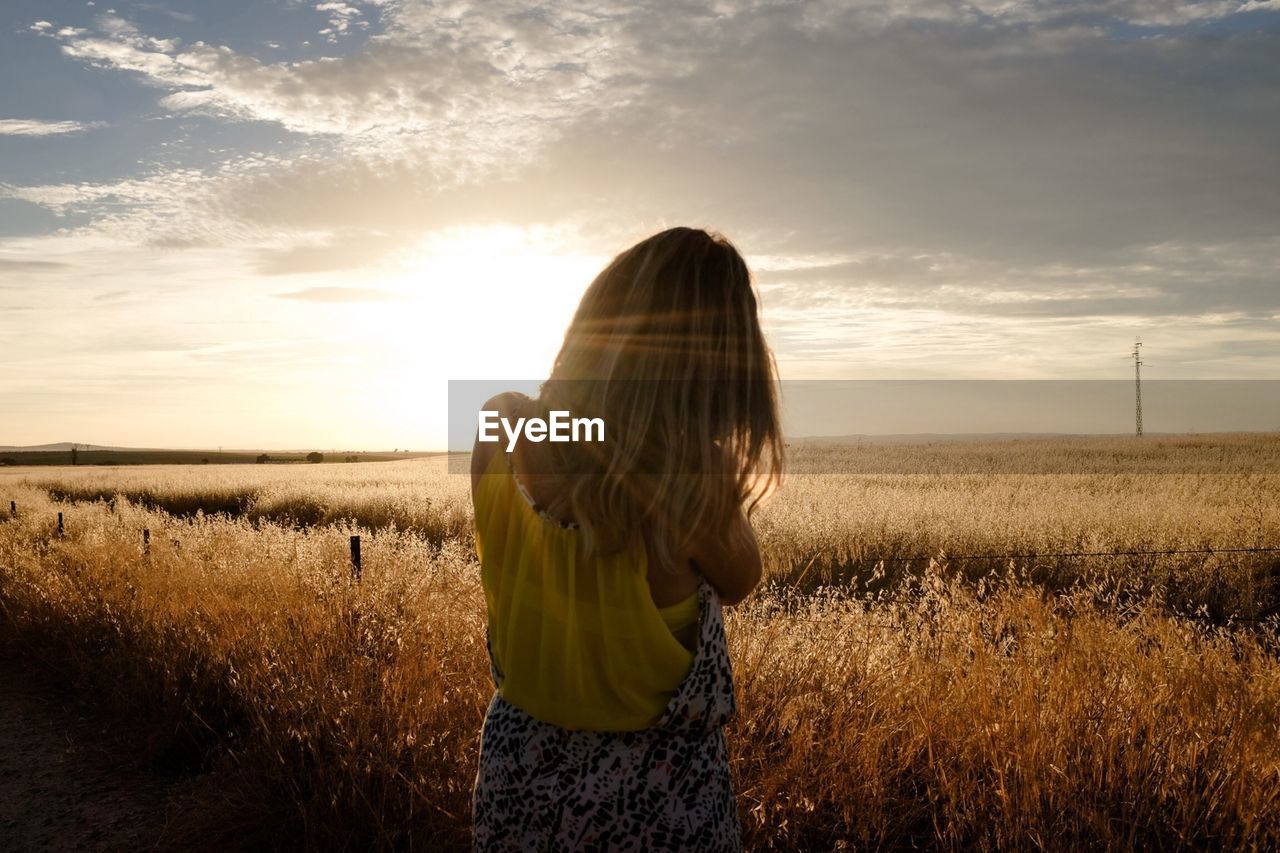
[(1137, 383)]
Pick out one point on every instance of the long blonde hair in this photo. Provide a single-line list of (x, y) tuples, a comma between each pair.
[(666, 348)]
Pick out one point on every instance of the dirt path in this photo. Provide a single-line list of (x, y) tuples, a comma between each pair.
[(70, 778)]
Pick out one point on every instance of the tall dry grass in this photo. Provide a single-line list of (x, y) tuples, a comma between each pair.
[(847, 507), (418, 496), (1003, 711), (340, 716)]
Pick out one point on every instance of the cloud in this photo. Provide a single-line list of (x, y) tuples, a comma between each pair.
[(340, 294), (184, 17), (168, 208), (341, 18), (1001, 188), (30, 265), (39, 127), (476, 85), (1140, 13), (992, 160), (1233, 278), (346, 251)]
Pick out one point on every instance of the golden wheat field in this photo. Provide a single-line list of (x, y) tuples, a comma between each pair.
[(894, 692)]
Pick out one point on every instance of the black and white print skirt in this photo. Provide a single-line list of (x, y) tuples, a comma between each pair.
[(667, 787)]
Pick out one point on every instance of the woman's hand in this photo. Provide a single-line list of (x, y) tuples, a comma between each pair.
[(482, 451)]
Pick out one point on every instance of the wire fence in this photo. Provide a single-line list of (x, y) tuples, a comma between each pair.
[(943, 557), (356, 566)]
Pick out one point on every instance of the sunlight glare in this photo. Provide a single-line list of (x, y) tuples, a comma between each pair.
[(477, 303)]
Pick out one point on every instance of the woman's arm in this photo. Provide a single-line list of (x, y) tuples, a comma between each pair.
[(730, 558)]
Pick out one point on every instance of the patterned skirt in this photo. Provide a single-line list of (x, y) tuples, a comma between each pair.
[(667, 787)]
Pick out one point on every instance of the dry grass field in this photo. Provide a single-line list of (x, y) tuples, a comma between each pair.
[(894, 693)]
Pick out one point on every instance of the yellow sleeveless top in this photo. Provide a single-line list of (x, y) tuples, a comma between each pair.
[(578, 639)]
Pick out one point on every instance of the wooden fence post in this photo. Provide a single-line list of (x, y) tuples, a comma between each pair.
[(355, 559), (13, 508), (146, 541), (59, 524)]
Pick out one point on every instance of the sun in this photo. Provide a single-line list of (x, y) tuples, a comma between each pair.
[(486, 303), (499, 298)]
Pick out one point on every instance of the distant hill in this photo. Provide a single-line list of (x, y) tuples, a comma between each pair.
[(64, 446), (97, 454)]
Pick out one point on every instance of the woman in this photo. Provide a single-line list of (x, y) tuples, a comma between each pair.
[(605, 565)]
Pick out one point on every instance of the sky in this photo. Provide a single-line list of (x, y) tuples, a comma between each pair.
[(282, 224)]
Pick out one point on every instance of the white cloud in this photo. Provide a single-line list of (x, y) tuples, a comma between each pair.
[(1145, 13), (39, 127), (341, 295), (341, 17), (169, 208), (184, 17), (1039, 172), (476, 85)]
